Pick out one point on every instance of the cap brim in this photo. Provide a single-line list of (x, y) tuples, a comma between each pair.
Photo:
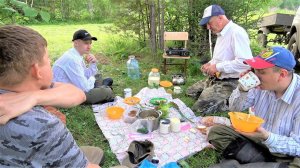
[(90, 38), (204, 21), (258, 63)]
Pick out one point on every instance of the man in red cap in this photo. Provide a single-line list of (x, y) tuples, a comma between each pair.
[(277, 101)]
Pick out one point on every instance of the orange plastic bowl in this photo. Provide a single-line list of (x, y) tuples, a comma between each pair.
[(132, 100), (244, 122), (114, 112), (166, 83)]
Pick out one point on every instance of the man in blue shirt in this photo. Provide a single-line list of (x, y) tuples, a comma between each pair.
[(277, 101), (71, 68)]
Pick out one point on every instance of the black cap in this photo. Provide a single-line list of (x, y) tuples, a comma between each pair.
[(83, 35)]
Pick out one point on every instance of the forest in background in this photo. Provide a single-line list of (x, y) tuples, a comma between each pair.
[(147, 19)]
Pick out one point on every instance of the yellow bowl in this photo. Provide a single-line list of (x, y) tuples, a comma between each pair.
[(245, 122), (114, 112), (165, 83), (132, 100)]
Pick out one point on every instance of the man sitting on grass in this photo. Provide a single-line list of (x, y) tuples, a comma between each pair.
[(71, 68), (277, 101), (35, 138)]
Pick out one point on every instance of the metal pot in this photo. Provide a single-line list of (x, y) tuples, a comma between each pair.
[(152, 118), (178, 79)]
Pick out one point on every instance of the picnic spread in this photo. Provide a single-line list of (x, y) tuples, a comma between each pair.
[(170, 145)]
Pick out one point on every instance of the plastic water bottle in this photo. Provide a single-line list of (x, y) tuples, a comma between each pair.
[(133, 68)]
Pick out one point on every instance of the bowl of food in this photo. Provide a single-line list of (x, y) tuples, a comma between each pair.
[(245, 122), (132, 100), (131, 115), (114, 112)]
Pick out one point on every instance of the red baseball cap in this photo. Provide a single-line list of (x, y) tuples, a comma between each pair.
[(274, 56)]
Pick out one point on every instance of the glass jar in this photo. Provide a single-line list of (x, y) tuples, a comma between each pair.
[(133, 68), (153, 78)]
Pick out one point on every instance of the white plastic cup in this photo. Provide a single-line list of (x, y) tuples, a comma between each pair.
[(177, 90), (127, 92), (175, 125), (164, 126), (249, 81)]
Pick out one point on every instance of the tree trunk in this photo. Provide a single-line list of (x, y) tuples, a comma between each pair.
[(91, 8), (162, 24), (52, 9), (152, 27)]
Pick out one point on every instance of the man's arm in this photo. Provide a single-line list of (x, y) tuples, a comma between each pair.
[(92, 70), (239, 100), (241, 48), (77, 76), (61, 95)]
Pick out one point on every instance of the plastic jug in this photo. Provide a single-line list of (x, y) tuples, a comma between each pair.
[(153, 78), (133, 68)]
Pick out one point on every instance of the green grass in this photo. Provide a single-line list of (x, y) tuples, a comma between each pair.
[(115, 48)]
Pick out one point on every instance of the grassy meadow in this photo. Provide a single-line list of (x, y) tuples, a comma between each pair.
[(112, 50)]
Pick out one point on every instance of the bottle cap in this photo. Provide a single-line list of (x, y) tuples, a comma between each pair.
[(154, 70), (131, 56)]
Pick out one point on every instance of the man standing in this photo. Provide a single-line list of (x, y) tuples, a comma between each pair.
[(277, 101), (231, 49), (35, 138), (71, 68)]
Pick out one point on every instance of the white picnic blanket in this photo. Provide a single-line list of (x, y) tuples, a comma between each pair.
[(167, 147)]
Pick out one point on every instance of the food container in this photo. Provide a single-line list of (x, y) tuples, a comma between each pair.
[(130, 115), (164, 126), (152, 118), (177, 90), (114, 112), (245, 122), (175, 125), (127, 92), (132, 100)]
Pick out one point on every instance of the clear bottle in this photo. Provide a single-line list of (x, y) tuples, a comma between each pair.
[(153, 78), (133, 68)]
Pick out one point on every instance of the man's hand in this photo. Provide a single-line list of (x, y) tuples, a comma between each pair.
[(15, 104), (90, 58), (204, 68), (260, 133), (212, 69)]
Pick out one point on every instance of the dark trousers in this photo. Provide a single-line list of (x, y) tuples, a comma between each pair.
[(102, 91), (220, 137)]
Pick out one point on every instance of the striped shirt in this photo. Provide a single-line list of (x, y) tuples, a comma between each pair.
[(71, 68), (38, 139), (281, 115)]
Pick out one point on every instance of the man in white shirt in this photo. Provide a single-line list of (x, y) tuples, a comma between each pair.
[(72, 68), (231, 49)]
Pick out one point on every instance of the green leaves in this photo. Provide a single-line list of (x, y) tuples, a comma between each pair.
[(45, 16), (18, 4), (8, 10), (30, 12), (20, 12)]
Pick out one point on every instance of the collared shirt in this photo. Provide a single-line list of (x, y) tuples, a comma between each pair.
[(71, 68), (281, 115), (231, 49), (38, 139)]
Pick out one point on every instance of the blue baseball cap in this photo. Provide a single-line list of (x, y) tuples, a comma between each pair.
[(212, 10), (274, 56)]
